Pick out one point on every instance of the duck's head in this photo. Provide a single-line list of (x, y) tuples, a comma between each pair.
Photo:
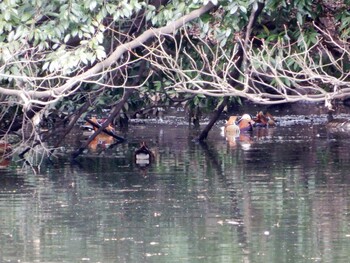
[(246, 123), (246, 117), (232, 120), (261, 119)]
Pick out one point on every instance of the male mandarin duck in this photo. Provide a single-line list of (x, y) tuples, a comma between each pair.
[(245, 123), (234, 126), (264, 120), (88, 127), (238, 128), (101, 141)]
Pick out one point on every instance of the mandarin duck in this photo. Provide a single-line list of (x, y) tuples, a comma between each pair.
[(264, 120), (245, 123)]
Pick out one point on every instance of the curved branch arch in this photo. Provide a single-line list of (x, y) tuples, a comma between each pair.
[(30, 96)]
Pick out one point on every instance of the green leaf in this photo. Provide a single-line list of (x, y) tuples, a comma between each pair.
[(99, 36), (100, 54), (92, 5), (267, 31), (300, 18), (233, 9), (26, 16), (7, 15), (206, 18), (66, 38), (46, 65), (243, 9)]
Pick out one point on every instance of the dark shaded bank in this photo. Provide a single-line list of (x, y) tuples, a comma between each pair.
[(175, 120)]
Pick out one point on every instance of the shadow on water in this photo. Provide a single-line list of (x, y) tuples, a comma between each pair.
[(274, 195)]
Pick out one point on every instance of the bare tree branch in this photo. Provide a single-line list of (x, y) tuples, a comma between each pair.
[(274, 72)]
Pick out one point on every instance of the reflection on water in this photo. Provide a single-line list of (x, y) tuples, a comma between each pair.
[(277, 195)]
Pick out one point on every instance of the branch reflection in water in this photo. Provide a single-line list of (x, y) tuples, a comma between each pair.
[(285, 198)]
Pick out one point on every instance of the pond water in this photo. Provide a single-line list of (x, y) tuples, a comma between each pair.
[(277, 195)]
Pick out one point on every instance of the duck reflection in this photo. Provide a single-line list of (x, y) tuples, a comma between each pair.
[(238, 129), (244, 140)]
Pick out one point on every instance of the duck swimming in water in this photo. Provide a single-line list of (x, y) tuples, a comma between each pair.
[(237, 129), (143, 155), (338, 126), (246, 123), (264, 120), (231, 127), (235, 125)]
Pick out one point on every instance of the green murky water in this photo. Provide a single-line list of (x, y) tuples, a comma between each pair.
[(279, 195)]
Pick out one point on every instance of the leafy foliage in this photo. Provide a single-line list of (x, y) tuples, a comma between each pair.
[(43, 43)]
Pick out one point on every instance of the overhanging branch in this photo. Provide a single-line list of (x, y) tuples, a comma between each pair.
[(61, 91)]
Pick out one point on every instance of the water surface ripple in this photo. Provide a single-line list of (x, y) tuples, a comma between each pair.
[(277, 195)]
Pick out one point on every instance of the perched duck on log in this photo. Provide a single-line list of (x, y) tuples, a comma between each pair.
[(143, 155)]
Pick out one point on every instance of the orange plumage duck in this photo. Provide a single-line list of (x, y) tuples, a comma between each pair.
[(246, 123), (102, 139), (231, 127), (236, 125)]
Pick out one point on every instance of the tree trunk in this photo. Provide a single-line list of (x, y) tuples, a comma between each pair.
[(234, 74), (214, 118)]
